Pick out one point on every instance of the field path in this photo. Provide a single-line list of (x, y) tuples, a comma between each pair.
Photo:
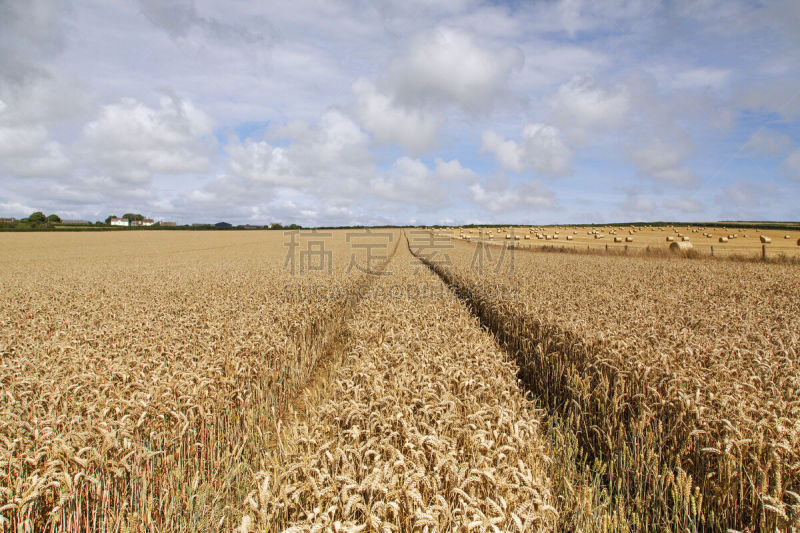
[(420, 427)]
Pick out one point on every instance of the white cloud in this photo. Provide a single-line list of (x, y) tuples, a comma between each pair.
[(540, 148), (132, 140), (330, 159), (27, 151), (444, 79), (411, 181), (767, 142), (449, 66), (581, 107), (530, 195), (260, 161), (16, 209), (665, 160), (16, 140), (414, 128)]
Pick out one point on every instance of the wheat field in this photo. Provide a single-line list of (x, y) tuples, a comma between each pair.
[(189, 381), (681, 376), (142, 375)]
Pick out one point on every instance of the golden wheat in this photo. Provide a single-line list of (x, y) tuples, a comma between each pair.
[(141, 373), (422, 428), (681, 377)]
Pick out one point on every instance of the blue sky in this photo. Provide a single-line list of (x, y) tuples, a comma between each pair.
[(454, 111)]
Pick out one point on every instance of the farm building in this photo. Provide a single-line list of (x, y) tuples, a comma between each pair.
[(143, 222), (114, 221)]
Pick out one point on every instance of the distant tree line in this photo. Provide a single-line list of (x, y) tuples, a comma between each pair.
[(39, 220)]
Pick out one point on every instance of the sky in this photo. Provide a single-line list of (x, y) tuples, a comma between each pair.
[(410, 112)]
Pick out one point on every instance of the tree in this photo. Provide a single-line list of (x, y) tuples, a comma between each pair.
[(37, 216), (55, 219), (276, 225), (108, 218), (133, 216)]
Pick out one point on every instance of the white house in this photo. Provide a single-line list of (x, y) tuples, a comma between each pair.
[(118, 221)]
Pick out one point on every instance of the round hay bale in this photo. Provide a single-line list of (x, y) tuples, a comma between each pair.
[(670, 238), (569, 237), (684, 238), (785, 236), (723, 239), (680, 247), (617, 239), (628, 239), (765, 239)]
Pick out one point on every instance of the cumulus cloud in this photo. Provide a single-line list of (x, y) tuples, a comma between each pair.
[(329, 158), (412, 181), (767, 142), (414, 128), (449, 66), (524, 197), (540, 148), (27, 151), (130, 140), (362, 91), (582, 107), (665, 160)]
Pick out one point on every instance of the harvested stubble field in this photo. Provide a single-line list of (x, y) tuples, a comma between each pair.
[(142, 375), (744, 243), (680, 378)]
